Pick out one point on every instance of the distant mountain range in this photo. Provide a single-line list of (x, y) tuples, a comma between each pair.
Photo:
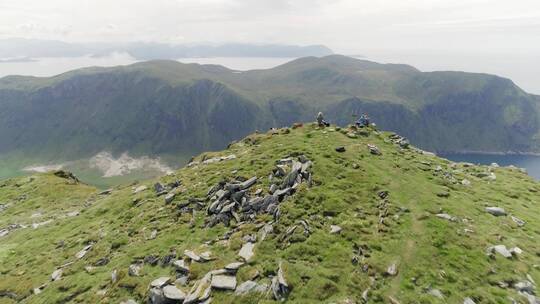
[(29, 48), (170, 108)]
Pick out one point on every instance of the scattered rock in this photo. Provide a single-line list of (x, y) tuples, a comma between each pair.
[(39, 289), (500, 249), (56, 275), (524, 286), (140, 189), (174, 294), (250, 286), (192, 255), (466, 182), (129, 301), (446, 217), (516, 250), (340, 149), (392, 270), (234, 266), (280, 287), (226, 282), (200, 290), (181, 266), (373, 149), (334, 229), (105, 192), (436, 293), (170, 197), (134, 270), (518, 221), (155, 295), (114, 276), (246, 252), (206, 256), (468, 301), (153, 235), (496, 211), (160, 282), (83, 252)]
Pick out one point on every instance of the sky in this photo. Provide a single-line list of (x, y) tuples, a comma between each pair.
[(347, 26), (493, 36)]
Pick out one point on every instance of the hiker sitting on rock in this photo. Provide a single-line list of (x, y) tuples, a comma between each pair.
[(363, 121), (321, 122)]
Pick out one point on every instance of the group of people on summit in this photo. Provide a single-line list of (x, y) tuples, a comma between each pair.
[(361, 122)]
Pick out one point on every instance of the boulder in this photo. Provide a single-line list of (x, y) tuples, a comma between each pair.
[(206, 256), (181, 266), (174, 294), (373, 149), (250, 286), (226, 282), (134, 270), (392, 270), (160, 282), (524, 286), (468, 301), (446, 217), (340, 149), (159, 188), (246, 252), (192, 255), (83, 252), (280, 287), (39, 289), (496, 211), (516, 250), (234, 266), (114, 276), (518, 221), (169, 197), (56, 275), (140, 189), (334, 229), (200, 291), (436, 293), (500, 249), (155, 296)]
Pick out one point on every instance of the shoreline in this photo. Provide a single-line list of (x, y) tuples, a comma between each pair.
[(509, 153)]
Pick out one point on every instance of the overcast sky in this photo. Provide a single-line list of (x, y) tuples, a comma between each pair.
[(347, 26)]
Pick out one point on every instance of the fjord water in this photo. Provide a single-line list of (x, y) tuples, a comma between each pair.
[(529, 162)]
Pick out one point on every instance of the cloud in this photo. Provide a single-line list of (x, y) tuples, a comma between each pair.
[(344, 25)]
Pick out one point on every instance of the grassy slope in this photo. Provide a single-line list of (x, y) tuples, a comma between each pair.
[(433, 251)]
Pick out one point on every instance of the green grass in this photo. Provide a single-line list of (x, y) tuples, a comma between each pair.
[(429, 251)]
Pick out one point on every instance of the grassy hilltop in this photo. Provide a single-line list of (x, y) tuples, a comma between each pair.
[(402, 226)]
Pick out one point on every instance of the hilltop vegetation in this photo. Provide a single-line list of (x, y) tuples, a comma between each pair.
[(368, 218), (165, 108)]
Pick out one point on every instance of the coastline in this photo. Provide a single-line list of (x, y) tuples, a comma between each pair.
[(475, 152)]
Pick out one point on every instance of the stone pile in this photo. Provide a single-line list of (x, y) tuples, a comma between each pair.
[(402, 142), (234, 200)]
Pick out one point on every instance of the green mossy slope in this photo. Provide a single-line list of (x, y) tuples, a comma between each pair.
[(430, 253)]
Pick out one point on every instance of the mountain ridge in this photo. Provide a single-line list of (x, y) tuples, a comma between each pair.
[(169, 108)]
